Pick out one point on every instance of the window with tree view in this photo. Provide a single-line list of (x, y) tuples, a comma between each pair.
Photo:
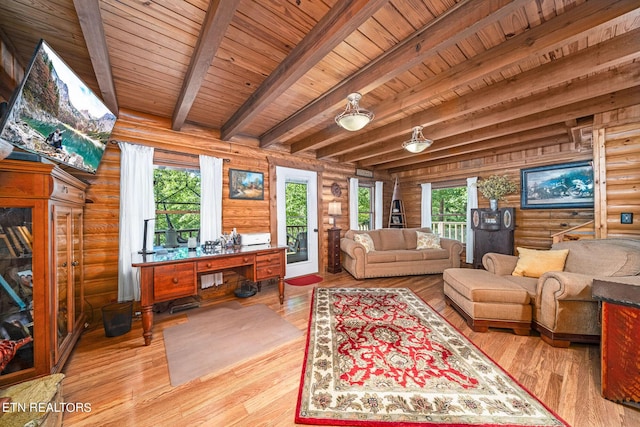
[(177, 198), (449, 212), (366, 207)]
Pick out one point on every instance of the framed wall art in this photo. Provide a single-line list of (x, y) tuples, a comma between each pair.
[(246, 185), (567, 185)]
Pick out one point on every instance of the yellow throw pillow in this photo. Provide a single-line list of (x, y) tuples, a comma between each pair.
[(534, 263), (365, 240), (428, 240)]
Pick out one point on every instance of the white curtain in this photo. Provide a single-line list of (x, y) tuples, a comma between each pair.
[(136, 205), (210, 198), (472, 203), (378, 209), (353, 203), (425, 212)]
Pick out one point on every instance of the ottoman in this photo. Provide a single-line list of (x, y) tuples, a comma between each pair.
[(486, 300)]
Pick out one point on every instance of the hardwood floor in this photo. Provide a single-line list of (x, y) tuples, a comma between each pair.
[(127, 384)]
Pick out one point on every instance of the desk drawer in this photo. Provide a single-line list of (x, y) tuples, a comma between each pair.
[(226, 262), (269, 265), (174, 281)]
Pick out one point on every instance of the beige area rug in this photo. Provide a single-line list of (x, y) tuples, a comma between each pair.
[(217, 337)]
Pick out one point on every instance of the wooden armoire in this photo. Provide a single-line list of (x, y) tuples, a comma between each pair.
[(41, 267)]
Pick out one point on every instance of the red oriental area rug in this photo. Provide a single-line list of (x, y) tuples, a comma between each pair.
[(304, 280), (383, 357)]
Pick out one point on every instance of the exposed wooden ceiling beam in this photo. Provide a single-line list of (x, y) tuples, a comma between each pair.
[(563, 71), (607, 102), (460, 144), (536, 144), (215, 25), (464, 19), (537, 41), (343, 19), (93, 31)]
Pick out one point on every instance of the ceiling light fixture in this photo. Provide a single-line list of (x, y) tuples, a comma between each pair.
[(418, 142), (354, 118)]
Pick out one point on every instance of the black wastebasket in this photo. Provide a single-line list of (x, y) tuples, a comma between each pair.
[(116, 318)]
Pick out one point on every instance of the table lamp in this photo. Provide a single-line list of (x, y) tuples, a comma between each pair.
[(335, 209)]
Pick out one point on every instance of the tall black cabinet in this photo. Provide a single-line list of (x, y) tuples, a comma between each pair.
[(492, 232)]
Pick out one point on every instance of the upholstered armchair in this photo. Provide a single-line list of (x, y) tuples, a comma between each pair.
[(564, 310)]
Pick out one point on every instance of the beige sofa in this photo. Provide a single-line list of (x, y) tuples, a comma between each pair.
[(395, 254), (561, 305)]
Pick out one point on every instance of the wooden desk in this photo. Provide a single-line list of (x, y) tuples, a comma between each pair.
[(174, 274), (619, 351)]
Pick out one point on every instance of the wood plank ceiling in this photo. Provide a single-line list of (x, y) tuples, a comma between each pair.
[(479, 75)]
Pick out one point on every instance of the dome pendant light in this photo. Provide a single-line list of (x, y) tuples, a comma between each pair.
[(418, 142), (354, 118)]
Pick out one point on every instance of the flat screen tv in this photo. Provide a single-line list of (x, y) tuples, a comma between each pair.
[(54, 114)]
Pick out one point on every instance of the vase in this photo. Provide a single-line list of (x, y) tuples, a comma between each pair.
[(493, 204)]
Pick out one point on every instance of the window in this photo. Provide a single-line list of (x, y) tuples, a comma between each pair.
[(366, 206), (449, 212), (177, 197)]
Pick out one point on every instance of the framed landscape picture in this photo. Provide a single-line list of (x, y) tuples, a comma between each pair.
[(567, 185), (246, 185)]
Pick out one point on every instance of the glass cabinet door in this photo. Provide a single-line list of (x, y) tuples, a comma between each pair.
[(63, 244), (16, 289), (77, 274)]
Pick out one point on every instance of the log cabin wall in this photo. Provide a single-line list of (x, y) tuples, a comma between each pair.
[(534, 227), (615, 152), (102, 213), (617, 158), (11, 71)]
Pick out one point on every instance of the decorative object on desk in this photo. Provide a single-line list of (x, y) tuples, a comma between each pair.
[(238, 332), (495, 188), (335, 209), (171, 238), (192, 243), (246, 185), (211, 246), (144, 250), (309, 279), (567, 185), (388, 357)]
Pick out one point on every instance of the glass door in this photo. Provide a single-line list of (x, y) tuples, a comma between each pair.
[(298, 219), (16, 289)]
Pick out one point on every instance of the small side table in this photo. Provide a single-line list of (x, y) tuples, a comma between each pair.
[(333, 258), (619, 350)]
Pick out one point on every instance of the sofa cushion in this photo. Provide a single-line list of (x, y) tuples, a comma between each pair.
[(602, 257), (365, 240), (376, 257), (427, 254), (391, 239), (427, 241), (411, 237), (534, 263), (399, 255)]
